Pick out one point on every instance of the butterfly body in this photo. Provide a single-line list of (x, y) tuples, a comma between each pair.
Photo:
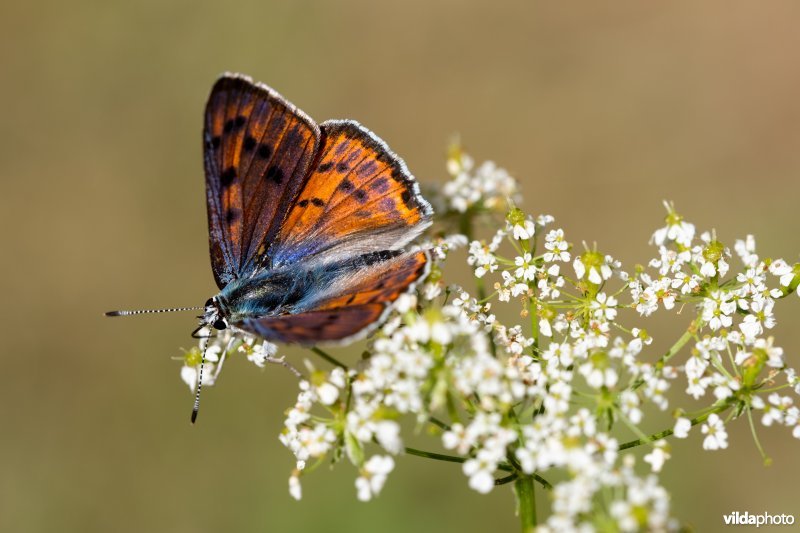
[(307, 222)]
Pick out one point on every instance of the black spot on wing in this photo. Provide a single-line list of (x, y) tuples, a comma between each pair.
[(346, 185), (227, 177), (342, 167), (302, 203), (360, 195), (317, 202), (325, 167), (249, 143), (232, 215), (264, 151), (274, 173)]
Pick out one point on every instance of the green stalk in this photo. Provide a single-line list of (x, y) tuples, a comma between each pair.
[(679, 344), (667, 432), (526, 503), (329, 358)]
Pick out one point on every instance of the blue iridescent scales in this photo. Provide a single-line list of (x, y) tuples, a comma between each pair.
[(307, 223)]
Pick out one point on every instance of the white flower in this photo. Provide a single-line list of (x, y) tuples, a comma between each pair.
[(598, 371), (190, 374), (676, 230), (716, 436), (488, 185), (405, 303), (658, 455), (784, 271), (556, 246), (327, 393), (746, 250), (373, 476), (388, 434), (480, 470), (629, 404), (774, 353), (524, 231), (526, 269), (482, 258), (717, 310), (604, 306), (687, 283), (759, 317), (682, 427), (295, 489), (262, 353)]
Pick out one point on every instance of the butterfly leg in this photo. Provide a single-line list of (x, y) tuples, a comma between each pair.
[(197, 330), (282, 362)]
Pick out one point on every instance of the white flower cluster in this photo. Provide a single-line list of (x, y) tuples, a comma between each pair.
[(486, 186), (561, 395), (217, 348)]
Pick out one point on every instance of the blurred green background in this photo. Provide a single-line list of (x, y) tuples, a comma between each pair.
[(601, 111)]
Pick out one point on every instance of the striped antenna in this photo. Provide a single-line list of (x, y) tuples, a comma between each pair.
[(196, 407), (146, 311)]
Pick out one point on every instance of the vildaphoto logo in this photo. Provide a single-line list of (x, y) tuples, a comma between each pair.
[(764, 519)]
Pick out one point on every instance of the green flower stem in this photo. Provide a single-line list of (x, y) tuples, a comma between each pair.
[(440, 456), (534, 324), (505, 480), (764, 457), (455, 459), (329, 358), (526, 503), (438, 423), (675, 348), (667, 432)]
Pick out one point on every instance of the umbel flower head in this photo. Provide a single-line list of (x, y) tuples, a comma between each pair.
[(562, 392)]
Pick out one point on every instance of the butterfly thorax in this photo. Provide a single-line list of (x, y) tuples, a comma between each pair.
[(269, 293)]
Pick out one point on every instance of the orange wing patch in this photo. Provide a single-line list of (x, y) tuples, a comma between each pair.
[(358, 188)]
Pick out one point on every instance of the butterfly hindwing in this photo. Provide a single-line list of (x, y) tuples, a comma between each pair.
[(359, 197), (352, 302), (258, 149), (380, 282), (316, 326)]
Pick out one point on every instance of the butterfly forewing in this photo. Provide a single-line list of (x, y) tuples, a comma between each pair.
[(358, 198), (258, 149)]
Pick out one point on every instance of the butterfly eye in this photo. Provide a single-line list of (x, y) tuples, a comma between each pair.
[(209, 302), (220, 324)]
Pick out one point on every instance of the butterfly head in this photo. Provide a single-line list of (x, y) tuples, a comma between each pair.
[(213, 315)]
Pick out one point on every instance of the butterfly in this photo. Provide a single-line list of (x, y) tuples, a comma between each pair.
[(308, 223)]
